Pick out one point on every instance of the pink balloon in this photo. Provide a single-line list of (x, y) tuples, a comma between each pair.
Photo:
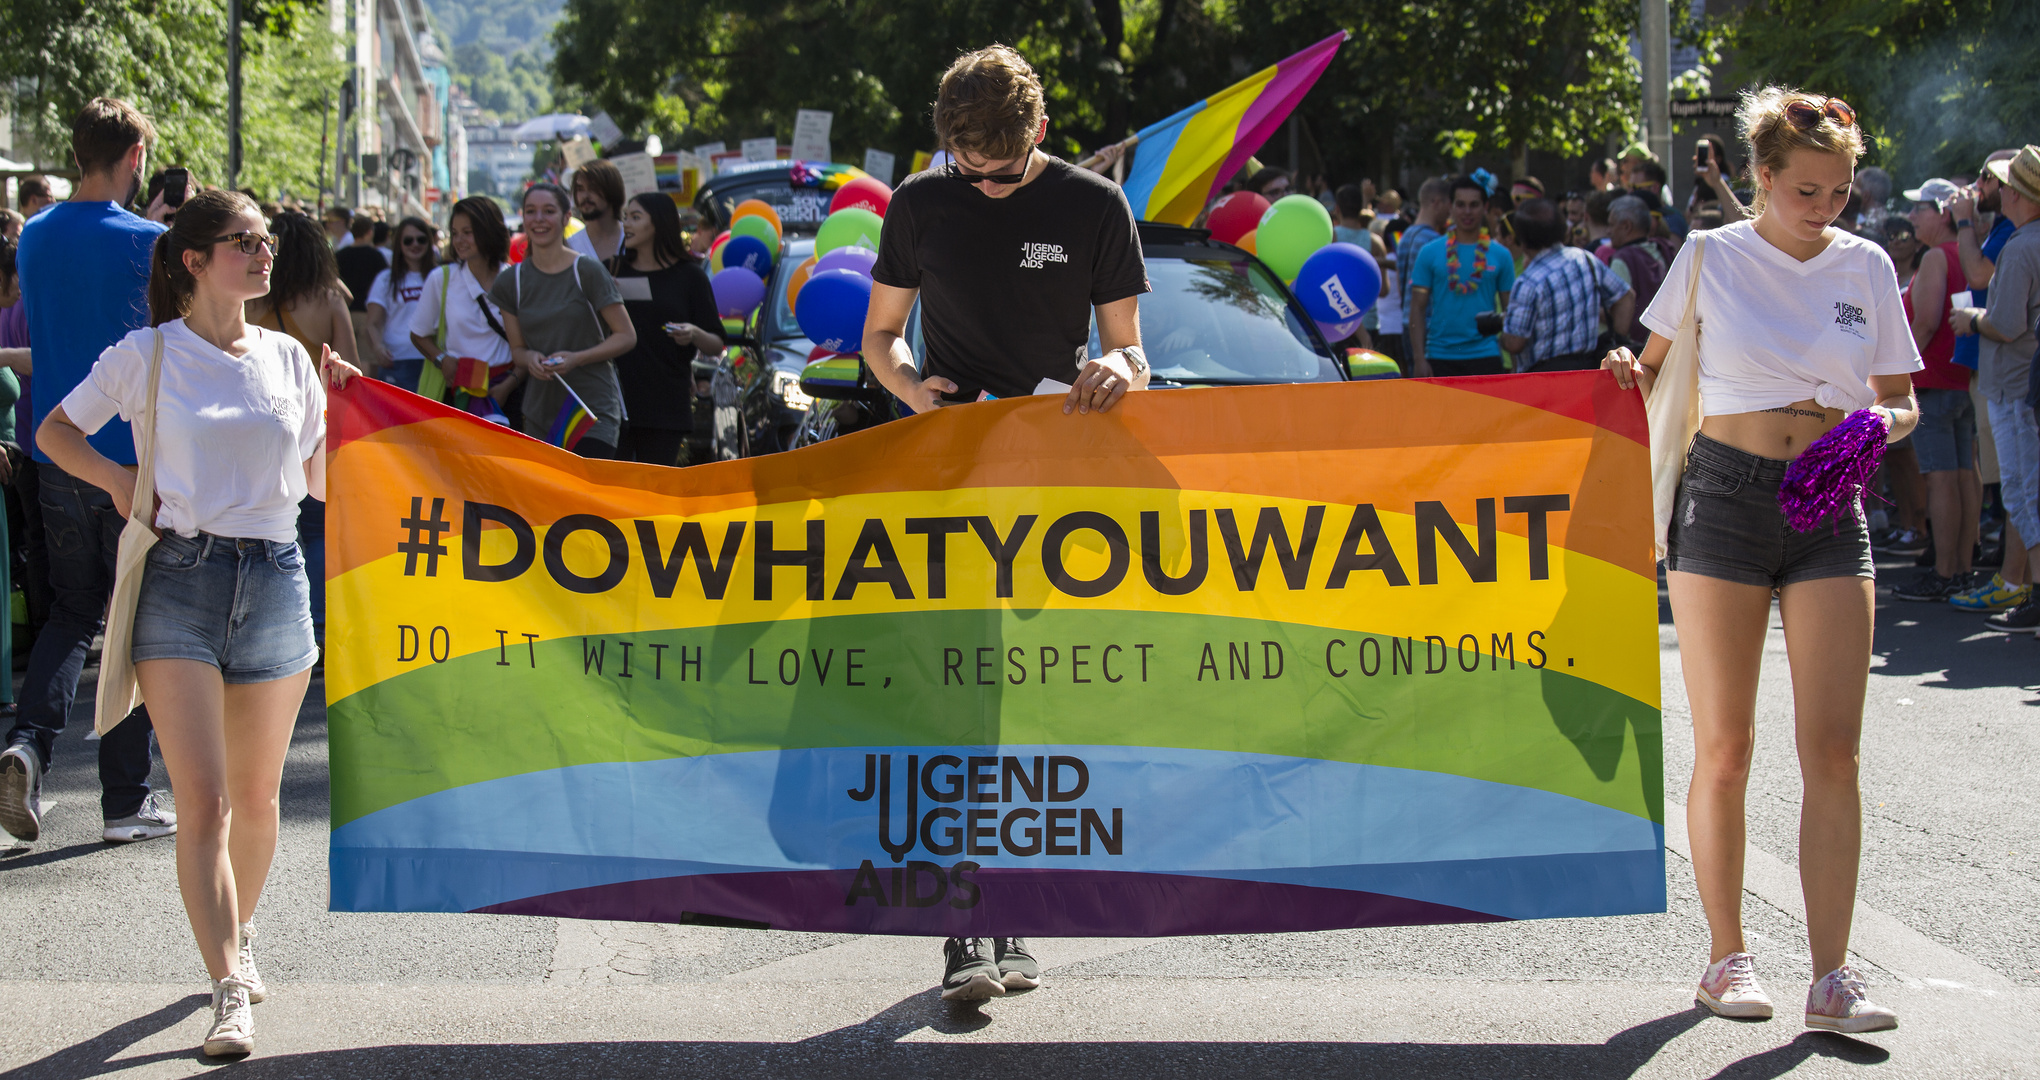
[(869, 192)]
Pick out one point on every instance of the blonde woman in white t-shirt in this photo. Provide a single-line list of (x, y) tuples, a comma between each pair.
[(1802, 326), (222, 640)]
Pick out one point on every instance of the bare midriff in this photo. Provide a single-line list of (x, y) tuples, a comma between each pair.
[(1780, 433)]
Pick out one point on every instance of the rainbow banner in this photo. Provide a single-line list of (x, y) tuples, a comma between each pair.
[(1221, 661), (1180, 163)]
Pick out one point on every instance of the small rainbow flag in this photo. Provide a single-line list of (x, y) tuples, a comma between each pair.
[(1184, 160), (472, 376), (575, 419)]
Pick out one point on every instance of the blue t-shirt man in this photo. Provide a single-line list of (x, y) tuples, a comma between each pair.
[(1966, 345), (84, 281), (1449, 332)]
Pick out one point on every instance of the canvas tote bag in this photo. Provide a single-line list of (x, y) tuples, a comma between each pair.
[(1674, 406), (118, 691)]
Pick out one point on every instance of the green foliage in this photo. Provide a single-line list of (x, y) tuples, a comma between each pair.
[(169, 58), (502, 26), (516, 89), (1937, 84), (695, 70)]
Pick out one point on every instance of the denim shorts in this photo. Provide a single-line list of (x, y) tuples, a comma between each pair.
[(1946, 436), (243, 606), (1726, 524)]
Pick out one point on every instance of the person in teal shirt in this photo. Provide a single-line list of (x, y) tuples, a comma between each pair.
[(1454, 280)]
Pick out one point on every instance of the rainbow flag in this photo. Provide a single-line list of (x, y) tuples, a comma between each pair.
[(573, 420), (1223, 662), (1181, 162), (471, 376)]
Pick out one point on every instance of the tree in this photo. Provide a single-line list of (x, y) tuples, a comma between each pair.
[(1488, 74), (1936, 84)]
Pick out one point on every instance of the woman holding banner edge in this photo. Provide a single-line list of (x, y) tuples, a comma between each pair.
[(1805, 336)]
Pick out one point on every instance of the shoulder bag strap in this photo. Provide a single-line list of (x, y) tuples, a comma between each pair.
[(601, 331), (145, 451), (445, 283), (1693, 284)]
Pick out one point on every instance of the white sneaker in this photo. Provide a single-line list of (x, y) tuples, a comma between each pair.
[(21, 792), (246, 968), (147, 823), (1840, 1002), (1730, 988), (233, 1027)]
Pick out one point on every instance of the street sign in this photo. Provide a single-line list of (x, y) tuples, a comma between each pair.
[(1705, 108)]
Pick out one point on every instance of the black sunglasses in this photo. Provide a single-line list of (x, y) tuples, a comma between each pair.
[(956, 172), (414, 240), (248, 242)]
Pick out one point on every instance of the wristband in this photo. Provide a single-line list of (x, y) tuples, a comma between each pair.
[(1135, 359), (1965, 223), (1973, 316)]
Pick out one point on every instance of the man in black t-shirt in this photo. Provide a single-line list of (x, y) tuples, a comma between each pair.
[(1010, 251), (359, 263)]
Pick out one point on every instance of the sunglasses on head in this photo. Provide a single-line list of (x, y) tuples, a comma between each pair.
[(248, 242), (956, 172), (1806, 115)]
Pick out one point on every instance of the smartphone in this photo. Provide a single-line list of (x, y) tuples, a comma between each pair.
[(176, 186), (1703, 155)]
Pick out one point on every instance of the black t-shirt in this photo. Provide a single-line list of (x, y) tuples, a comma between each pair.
[(359, 263), (1007, 285), (658, 373)]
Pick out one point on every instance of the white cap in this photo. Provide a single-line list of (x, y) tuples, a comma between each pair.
[(1936, 191)]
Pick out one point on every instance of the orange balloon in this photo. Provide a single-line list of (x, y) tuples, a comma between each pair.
[(758, 208), (799, 278), (1246, 243)]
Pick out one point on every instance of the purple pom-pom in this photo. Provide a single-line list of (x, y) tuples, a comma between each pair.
[(1831, 474)]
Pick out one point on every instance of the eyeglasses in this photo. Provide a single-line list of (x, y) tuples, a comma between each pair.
[(248, 242), (956, 172), (414, 240), (1805, 115)]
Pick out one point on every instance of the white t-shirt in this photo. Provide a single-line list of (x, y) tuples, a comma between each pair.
[(397, 304), (232, 432), (1390, 311), (1774, 330), (467, 332)]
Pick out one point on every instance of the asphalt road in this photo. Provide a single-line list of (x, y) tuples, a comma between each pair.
[(98, 976)]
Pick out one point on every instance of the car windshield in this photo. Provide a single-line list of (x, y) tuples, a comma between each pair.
[(1215, 321)]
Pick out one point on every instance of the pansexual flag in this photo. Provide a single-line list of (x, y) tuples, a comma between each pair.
[(1181, 162), (1222, 662), (573, 420)]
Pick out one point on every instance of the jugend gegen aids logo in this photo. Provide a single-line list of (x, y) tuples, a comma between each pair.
[(1035, 256)]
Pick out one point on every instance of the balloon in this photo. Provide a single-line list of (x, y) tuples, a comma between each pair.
[(1289, 231), (759, 208), (1337, 332), (847, 228), (832, 314), (1338, 283), (748, 252), (1234, 216), (1246, 243), (737, 291), (860, 259), (797, 279), (715, 252), (758, 227), (865, 192)]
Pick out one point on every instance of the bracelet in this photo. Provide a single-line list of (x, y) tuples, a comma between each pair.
[(1973, 316), (1965, 223)]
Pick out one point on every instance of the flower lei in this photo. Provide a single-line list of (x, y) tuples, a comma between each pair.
[(1480, 264)]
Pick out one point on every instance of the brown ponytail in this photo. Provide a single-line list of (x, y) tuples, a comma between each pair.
[(200, 221)]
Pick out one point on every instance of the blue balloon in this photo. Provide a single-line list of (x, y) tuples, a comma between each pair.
[(748, 252), (1337, 284), (1337, 332), (833, 304), (737, 291)]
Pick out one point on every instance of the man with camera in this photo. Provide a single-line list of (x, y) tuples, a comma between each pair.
[(1458, 285)]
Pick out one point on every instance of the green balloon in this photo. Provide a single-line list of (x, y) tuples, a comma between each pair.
[(1290, 232), (851, 226), (758, 227)]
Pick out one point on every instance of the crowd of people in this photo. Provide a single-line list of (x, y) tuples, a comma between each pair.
[(216, 324)]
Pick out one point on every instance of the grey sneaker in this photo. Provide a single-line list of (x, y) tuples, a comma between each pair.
[(21, 791), (246, 967), (2024, 617), (1017, 967), (147, 823), (969, 973), (1930, 586)]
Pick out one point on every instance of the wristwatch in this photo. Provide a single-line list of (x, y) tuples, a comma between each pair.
[(1965, 223), (1135, 359)]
